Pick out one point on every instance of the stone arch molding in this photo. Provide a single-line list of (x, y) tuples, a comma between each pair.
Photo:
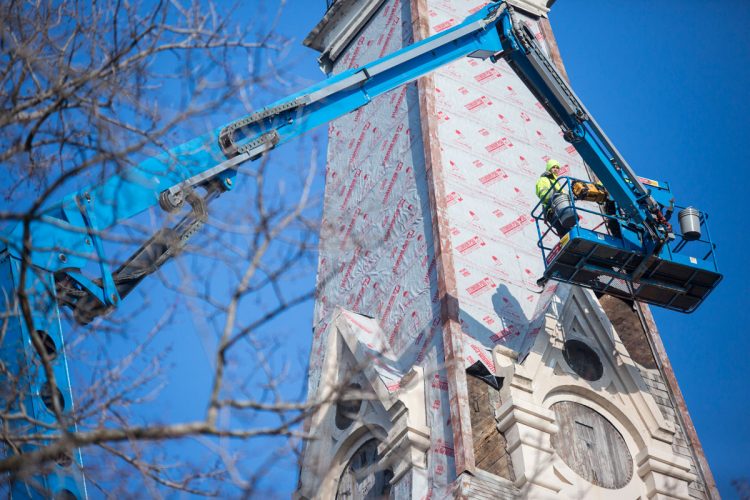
[(393, 411), (541, 379)]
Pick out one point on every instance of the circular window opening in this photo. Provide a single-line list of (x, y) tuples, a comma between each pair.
[(348, 407), (48, 342), (591, 446), (46, 395), (583, 360)]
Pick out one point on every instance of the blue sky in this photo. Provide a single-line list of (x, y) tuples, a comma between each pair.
[(668, 82)]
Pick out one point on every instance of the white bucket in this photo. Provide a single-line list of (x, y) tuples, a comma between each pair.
[(690, 223), (563, 211)]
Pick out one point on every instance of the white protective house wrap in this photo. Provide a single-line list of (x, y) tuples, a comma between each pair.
[(489, 141)]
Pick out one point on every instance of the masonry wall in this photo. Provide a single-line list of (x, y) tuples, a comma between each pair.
[(490, 446), (377, 252), (631, 331), (490, 140), (386, 206), (427, 229)]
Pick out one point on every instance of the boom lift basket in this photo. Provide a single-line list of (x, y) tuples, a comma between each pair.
[(606, 257)]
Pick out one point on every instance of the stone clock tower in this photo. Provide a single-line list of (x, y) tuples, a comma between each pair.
[(448, 371)]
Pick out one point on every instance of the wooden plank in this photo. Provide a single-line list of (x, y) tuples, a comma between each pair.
[(591, 446)]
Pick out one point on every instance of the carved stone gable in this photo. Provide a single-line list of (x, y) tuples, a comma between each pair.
[(578, 415), (370, 431)]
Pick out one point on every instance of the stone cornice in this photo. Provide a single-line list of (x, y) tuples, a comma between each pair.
[(344, 20)]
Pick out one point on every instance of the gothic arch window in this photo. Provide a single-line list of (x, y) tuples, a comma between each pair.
[(591, 446), (363, 478)]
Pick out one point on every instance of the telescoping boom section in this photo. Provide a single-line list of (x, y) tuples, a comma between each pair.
[(68, 232), (639, 256)]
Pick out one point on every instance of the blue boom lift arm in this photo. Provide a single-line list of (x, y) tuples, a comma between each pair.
[(66, 236), (642, 259)]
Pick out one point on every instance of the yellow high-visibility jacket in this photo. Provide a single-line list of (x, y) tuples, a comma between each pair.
[(544, 184)]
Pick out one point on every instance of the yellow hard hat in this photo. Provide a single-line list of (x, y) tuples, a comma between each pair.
[(552, 163)]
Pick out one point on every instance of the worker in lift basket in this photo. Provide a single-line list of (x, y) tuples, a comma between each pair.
[(547, 190)]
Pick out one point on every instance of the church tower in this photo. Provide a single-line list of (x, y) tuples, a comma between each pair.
[(445, 370)]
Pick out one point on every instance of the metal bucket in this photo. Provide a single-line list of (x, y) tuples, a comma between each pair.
[(690, 223), (562, 211)]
